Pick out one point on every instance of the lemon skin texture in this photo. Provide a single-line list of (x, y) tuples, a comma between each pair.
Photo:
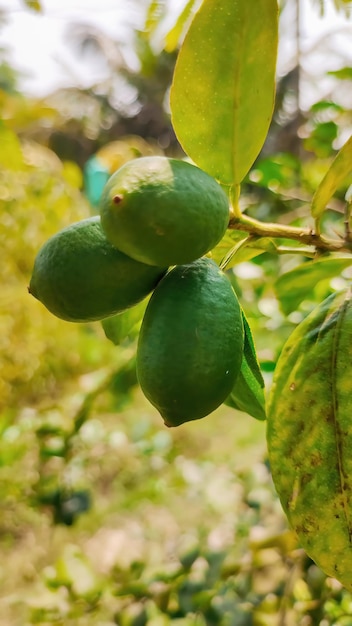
[(163, 211), (191, 342), (79, 276)]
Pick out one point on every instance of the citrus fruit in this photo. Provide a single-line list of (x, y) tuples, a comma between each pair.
[(163, 211), (191, 342), (310, 434), (79, 276)]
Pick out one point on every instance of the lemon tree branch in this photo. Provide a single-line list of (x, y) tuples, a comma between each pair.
[(306, 236)]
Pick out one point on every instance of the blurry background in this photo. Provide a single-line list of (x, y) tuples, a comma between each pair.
[(107, 517)]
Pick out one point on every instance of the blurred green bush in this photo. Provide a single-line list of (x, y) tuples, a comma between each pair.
[(39, 195)]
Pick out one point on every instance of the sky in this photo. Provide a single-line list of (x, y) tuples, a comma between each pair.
[(38, 44)]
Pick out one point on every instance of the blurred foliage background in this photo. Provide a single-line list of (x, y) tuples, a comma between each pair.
[(107, 517)]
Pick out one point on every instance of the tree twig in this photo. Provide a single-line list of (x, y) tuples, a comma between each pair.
[(305, 236)]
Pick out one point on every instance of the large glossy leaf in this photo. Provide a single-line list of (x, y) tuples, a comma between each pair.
[(337, 173), (222, 95), (309, 435), (298, 284), (248, 392)]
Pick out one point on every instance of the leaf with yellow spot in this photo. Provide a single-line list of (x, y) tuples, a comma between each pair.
[(309, 434)]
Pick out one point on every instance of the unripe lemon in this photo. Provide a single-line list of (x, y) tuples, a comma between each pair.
[(79, 276), (163, 211), (191, 342)]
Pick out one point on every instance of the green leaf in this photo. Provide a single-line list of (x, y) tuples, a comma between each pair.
[(229, 241), (334, 177), (299, 284), (247, 249), (118, 327), (345, 73), (309, 434), (248, 392), (232, 249), (321, 139), (222, 95), (35, 5), (326, 105), (173, 36), (155, 12)]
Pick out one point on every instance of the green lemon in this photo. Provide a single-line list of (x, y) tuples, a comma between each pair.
[(191, 342), (163, 211), (79, 276)]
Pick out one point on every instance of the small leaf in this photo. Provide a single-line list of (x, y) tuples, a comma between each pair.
[(173, 36), (246, 250), (334, 177), (299, 284), (35, 5), (248, 392), (118, 327), (222, 96), (229, 241), (155, 13), (233, 239), (324, 105), (321, 139), (345, 73)]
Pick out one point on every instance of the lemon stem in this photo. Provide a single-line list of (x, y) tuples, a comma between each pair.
[(234, 200)]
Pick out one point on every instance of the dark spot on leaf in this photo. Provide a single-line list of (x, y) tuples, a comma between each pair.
[(316, 459), (306, 478)]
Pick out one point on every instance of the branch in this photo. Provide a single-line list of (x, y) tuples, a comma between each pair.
[(305, 236)]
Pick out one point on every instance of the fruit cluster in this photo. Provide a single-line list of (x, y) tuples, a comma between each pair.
[(158, 218)]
